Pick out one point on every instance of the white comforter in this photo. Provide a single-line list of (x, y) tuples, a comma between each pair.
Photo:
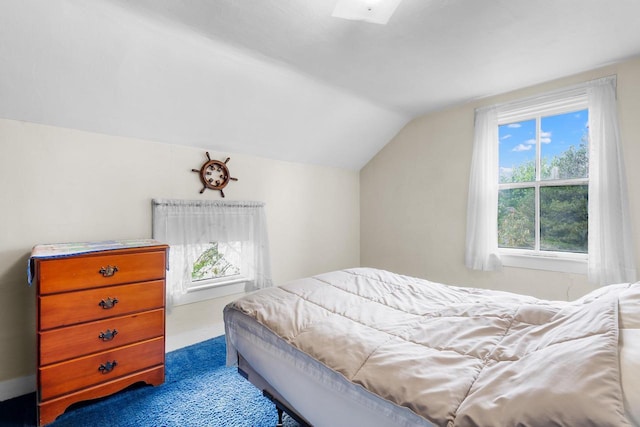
[(456, 356)]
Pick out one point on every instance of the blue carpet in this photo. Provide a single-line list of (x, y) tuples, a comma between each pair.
[(199, 390)]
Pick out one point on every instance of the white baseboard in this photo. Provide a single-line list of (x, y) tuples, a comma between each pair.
[(17, 387), (193, 336)]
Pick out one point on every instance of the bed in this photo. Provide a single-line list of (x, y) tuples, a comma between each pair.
[(370, 347)]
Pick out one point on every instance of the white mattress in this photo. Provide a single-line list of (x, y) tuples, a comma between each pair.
[(325, 397), (322, 396)]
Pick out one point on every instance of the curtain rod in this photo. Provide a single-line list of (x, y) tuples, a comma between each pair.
[(574, 89), (205, 203)]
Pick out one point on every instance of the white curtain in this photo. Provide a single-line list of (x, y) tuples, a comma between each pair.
[(482, 206), (611, 256), (189, 226), (610, 246)]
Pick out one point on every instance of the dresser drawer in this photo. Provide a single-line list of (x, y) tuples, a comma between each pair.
[(83, 306), (91, 270), (73, 341), (76, 374)]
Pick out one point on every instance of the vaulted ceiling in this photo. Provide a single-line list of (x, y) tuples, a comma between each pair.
[(285, 79)]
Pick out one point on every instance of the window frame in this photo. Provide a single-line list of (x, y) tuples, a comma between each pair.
[(568, 262), (242, 275), (215, 287), (217, 281)]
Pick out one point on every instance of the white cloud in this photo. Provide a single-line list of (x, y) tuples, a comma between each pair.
[(530, 142), (514, 125), (545, 137), (507, 136), (522, 147)]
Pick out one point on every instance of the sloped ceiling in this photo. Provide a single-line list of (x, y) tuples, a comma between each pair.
[(283, 78)]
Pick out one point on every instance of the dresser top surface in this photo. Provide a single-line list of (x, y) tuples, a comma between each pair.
[(54, 250)]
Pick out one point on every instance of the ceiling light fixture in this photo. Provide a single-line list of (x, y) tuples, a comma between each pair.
[(374, 11)]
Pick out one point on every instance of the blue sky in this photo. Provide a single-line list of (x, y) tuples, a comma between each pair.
[(518, 140)]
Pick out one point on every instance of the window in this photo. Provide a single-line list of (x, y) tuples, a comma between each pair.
[(219, 261), (549, 192), (544, 184), (217, 248)]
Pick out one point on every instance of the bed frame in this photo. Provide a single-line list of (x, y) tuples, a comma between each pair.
[(268, 391)]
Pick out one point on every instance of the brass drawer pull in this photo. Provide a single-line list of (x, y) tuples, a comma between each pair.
[(105, 368), (108, 303), (108, 271), (109, 335)]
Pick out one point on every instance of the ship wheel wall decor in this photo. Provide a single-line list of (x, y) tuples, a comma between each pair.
[(214, 174)]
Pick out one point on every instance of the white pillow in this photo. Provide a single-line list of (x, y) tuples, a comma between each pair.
[(629, 307), (630, 372)]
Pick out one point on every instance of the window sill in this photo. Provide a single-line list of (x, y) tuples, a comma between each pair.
[(573, 263), (218, 290)]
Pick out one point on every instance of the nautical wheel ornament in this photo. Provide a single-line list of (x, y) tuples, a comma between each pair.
[(214, 174)]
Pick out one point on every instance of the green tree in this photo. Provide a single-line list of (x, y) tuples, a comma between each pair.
[(564, 218), (526, 172), (573, 163), (516, 218), (563, 209), (212, 264)]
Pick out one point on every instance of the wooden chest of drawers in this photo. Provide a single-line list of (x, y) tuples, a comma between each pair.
[(100, 320)]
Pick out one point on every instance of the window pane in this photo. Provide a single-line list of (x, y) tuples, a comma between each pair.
[(217, 260), (516, 218), (564, 146), (563, 218), (517, 153)]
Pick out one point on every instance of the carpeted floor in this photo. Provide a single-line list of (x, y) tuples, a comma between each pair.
[(199, 391)]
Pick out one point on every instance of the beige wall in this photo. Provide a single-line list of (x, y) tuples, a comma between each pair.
[(414, 195), (67, 185)]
